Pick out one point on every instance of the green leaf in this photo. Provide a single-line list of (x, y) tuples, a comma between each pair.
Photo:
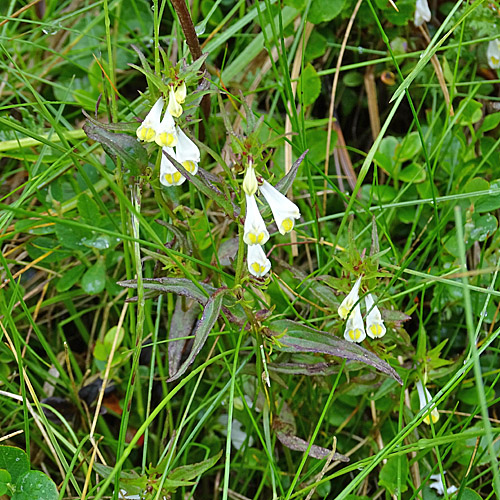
[(69, 278), (94, 279), (179, 286), (125, 147), (35, 485), (73, 237), (14, 461), (409, 147), (484, 226), (388, 477), (413, 173), (488, 203), (5, 476), (295, 337), (210, 314), (321, 11), (468, 494), (88, 209), (490, 122), (472, 112), (192, 471), (309, 85)]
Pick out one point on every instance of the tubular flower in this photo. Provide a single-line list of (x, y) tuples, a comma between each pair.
[(284, 211), (493, 54), (424, 396), (375, 327), (258, 263), (351, 299), (169, 175), (166, 135), (180, 93), (149, 127), (354, 328), (255, 232), (250, 184), (174, 108), (187, 152), (422, 13)]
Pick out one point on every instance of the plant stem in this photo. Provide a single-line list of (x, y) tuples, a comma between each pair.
[(195, 49)]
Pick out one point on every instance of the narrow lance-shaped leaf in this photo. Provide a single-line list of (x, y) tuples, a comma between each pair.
[(298, 444), (301, 338), (123, 146), (179, 286), (181, 326), (209, 317), (285, 183)]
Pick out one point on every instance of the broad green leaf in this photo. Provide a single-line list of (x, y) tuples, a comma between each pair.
[(72, 236), (88, 209), (413, 173), (484, 226), (309, 85), (321, 11), (472, 112), (70, 277), (210, 314), (109, 338), (5, 476), (468, 494), (490, 122), (388, 477), (14, 461), (409, 147), (35, 485), (94, 279), (295, 337), (491, 202)]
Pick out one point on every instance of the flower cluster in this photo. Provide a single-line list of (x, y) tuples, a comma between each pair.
[(422, 13), (350, 309), (255, 233), (493, 54), (170, 137)]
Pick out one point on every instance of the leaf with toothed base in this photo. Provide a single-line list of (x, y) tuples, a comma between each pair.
[(295, 337), (210, 314)]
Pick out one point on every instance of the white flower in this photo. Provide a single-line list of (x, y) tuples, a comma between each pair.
[(255, 232), (284, 210), (187, 152), (250, 184), (258, 263), (149, 127), (375, 327), (422, 13), (351, 299), (174, 108), (354, 328), (169, 175), (493, 54), (424, 396), (180, 93), (439, 486), (166, 135)]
